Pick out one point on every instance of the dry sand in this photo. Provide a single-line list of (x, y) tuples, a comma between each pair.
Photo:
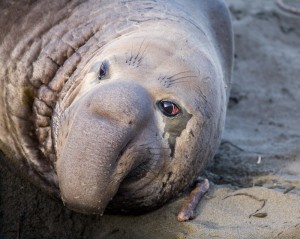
[(248, 198)]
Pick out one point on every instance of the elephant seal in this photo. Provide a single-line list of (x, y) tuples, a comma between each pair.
[(113, 106)]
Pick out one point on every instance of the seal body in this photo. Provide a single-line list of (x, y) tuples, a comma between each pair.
[(113, 105)]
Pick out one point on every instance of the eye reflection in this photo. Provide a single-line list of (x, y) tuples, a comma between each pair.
[(168, 108)]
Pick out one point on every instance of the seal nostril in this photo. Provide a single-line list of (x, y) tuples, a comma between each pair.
[(123, 150)]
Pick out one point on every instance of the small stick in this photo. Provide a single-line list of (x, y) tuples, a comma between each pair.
[(287, 8), (188, 210)]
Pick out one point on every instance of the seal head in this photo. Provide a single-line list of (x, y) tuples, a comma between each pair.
[(142, 121)]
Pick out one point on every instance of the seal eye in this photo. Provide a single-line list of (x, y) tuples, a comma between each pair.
[(103, 70), (168, 108)]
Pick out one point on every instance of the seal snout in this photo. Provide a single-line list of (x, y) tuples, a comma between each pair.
[(93, 160)]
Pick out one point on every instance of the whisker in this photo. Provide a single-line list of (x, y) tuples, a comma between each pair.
[(139, 50), (171, 84), (131, 56), (147, 143), (178, 74), (184, 77), (144, 51)]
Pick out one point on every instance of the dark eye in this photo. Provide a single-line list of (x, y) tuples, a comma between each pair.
[(103, 70), (168, 108)]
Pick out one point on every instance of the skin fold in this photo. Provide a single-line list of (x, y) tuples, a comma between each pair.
[(85, 93)]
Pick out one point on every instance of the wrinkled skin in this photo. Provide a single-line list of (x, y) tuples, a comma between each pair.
[(81, 90)]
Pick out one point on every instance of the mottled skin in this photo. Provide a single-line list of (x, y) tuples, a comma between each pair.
[(105, 144)]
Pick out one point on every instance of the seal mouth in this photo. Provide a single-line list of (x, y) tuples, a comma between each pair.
[(138, 172)]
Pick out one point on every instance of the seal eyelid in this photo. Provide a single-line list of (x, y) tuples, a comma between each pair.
[(103, 70), (169, 108)]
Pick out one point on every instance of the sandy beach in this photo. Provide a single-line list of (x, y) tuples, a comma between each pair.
[(255, 176)]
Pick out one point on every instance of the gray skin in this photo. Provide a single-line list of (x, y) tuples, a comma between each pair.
[(103, 143)]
